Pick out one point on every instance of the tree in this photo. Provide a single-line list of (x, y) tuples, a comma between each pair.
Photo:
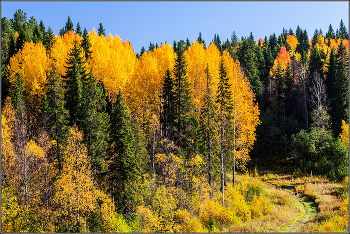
[(123, 163), (183, 102), (101, 30), (200, 39), (208, 127), (343, 31), (76, 71), (19, 19), (76, 194), (330, 34), (57, 114), (49, 39), (224, 102), (95, 124), (86, 45), (69, 25), (78, 29)]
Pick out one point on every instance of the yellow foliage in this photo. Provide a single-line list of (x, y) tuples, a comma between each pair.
[(115, 224), (293, 42), (113, 62), (344, 135), (33, 64)]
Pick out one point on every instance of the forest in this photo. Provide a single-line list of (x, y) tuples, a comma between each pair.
[(98, 138)]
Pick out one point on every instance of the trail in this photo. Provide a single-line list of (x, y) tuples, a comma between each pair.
[(308, 213)]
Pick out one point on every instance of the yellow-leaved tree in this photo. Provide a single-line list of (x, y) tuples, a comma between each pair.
[(344, 135), (113, 62), (196, 60), (33, 64), (76, 196), (244, 115)]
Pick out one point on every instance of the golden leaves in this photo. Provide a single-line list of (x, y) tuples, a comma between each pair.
[(344, 135), (33, 64)]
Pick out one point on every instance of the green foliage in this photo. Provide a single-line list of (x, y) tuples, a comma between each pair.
[(101, 30), (320, 152), (69, 25)]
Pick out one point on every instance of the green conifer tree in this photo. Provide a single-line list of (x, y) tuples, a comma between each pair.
[(101, 30), (86, 45), (78, 29), (123, 163), (69, 25)]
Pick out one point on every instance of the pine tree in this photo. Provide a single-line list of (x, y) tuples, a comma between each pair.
[(19, 19), (168, 98), (78, 29), (224, 102), (69, 25), (183, 102), (86, 45), (23, 37), (95, 124), (330, 34), (123, 163), (208, 128), (57, 114), (101, 30), (37, 35), (200, 39), (49, 39), (74, 75), (343, 31), (142, 51), (151, 47)]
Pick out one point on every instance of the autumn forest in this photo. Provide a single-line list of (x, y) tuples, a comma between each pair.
[(178, 137)]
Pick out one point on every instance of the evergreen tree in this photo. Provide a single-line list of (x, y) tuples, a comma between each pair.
[(168, 97), (217, 42), (200, 39), (183, 102), (315, 62), (188, 44), (74, 75), (273, 45), (101, 30), (224, 102), (123, 164), (142, 51), (23, 37), (330, 33), (49, 39), (343, 31), (208, 129), (37, 35), (57, 114), (62, 32), (174, 46), (78, 29), (42, 28), (86, 44), (69, 25), (151, 47), (249, 61), (19, 19), (95, 123)]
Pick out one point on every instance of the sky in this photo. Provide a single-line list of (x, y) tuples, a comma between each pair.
[(143, 22)]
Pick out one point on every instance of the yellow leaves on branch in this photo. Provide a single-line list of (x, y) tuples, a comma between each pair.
[(76, 193), (293, 42), (113, 62), (344, 135), (33, 64), (60, 50), (245, 113), (144, 88)]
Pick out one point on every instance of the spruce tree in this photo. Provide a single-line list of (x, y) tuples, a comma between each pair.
[(200, 39), (49, 39), (224, 102), (142, 51), (74, 75), (86, 45), (101, 30), (208, 128), (57, 114), (168, 98), (123, 163), (69, 25), (330, 34), (95, 123), (78, 29), (183, 102), (343, 31), (23, 37), (37, 35)]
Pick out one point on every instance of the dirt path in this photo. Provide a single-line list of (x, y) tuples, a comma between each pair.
[(308, 212)]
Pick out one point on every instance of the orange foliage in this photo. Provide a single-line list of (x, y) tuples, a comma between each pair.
[(283, 59)]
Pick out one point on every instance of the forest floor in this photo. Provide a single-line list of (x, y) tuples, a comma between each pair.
[(306, 206)]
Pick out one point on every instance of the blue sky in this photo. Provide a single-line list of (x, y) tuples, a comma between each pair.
[(144, 22)]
